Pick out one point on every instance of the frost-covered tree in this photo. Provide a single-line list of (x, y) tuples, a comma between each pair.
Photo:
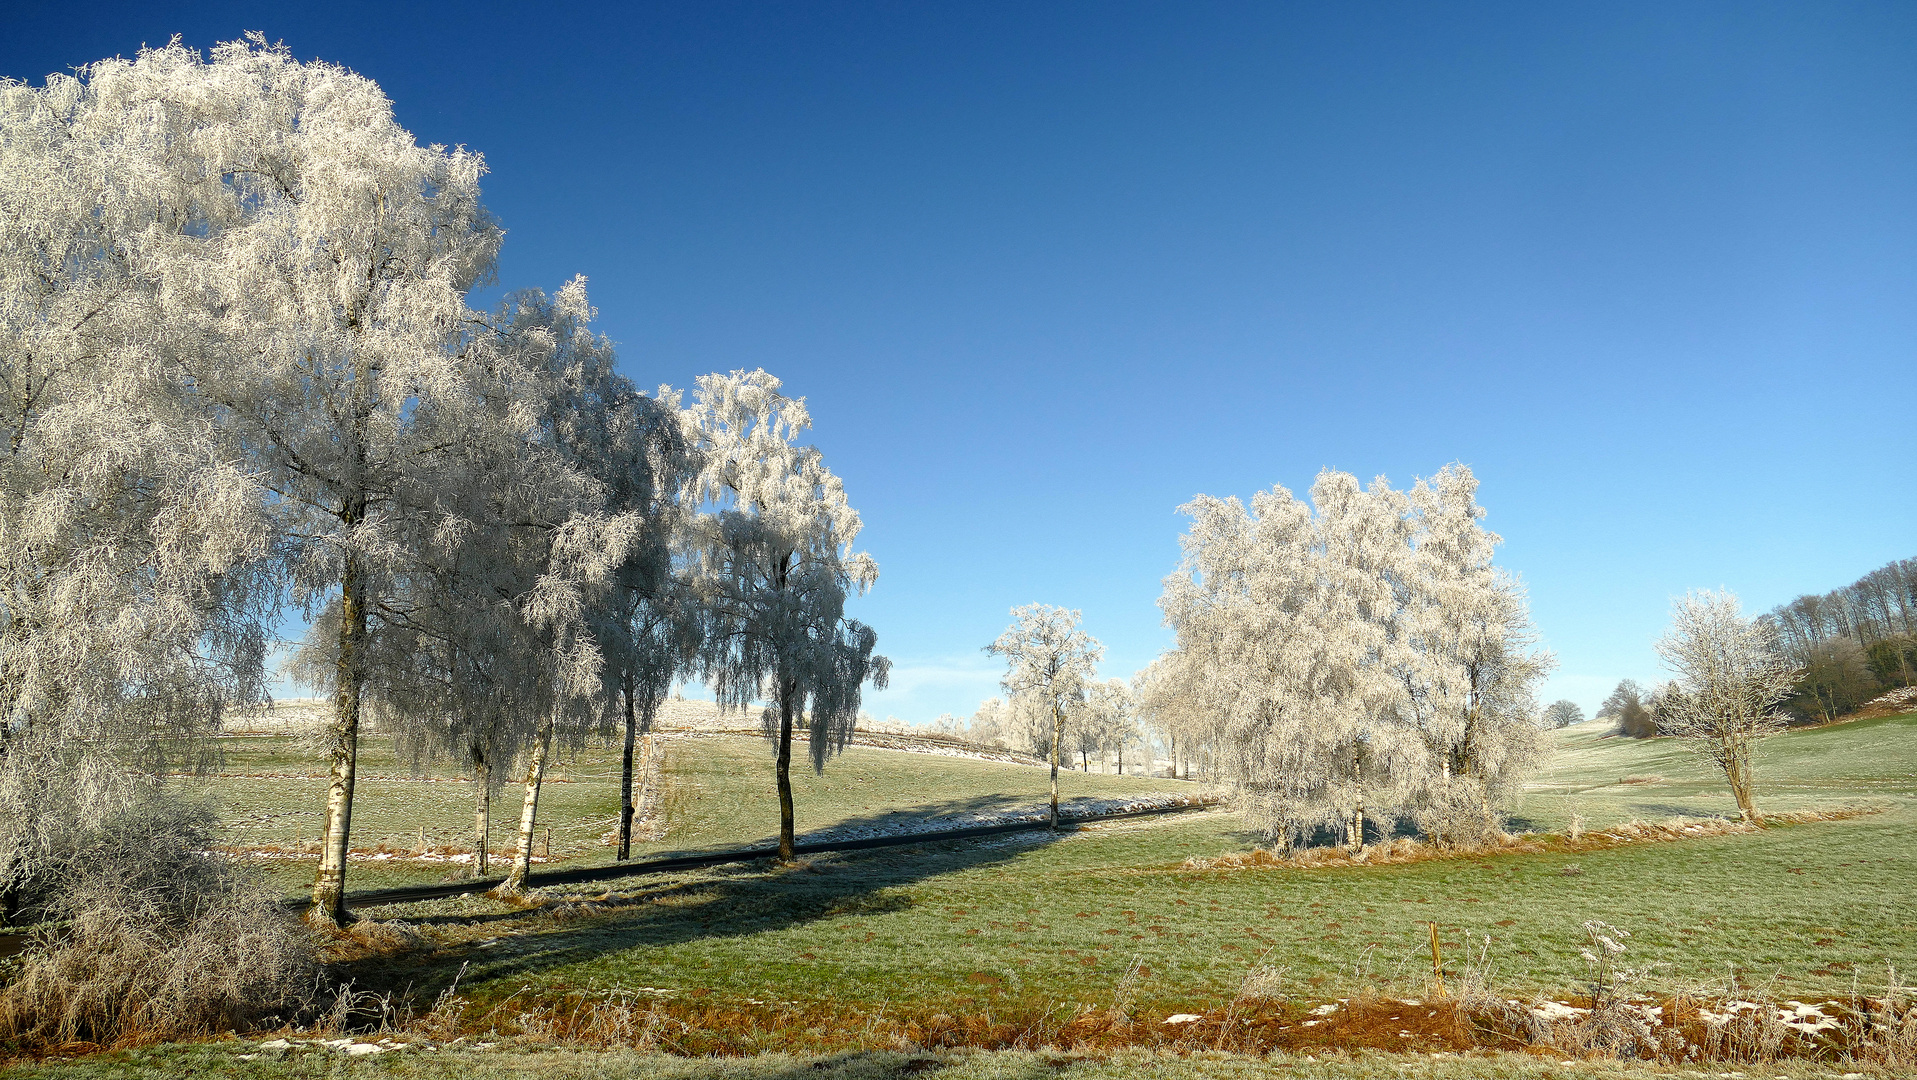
[(1468, 661), (131, 555), (1049, 661), (1626, 704), (1562, 714), (1355, 654), (321, 266), (1174, 700), (774, 566), (134, 560), (1110, 719), (634, 448), (1730, 677), (996, 723)]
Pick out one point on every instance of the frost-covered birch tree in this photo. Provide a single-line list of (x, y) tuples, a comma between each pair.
[(1467, 661), (321, 266), (1049, 662), (774, 566), (1731, 675), (135, 562), (493, 640), (1351, 656), (328, 269), (1110, 719)]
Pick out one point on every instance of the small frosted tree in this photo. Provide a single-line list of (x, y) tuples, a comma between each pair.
[(1730, 677), (773, 566), (1562, 714), (1049, 662), (1110, 717)]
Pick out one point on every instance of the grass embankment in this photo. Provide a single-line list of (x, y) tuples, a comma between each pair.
[(240, 1059), (1608, 780)]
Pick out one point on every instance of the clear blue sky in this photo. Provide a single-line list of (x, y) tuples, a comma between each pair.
[(1044, 271)]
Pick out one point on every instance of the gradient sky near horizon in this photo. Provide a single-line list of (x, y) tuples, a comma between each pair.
[(1044, 271)]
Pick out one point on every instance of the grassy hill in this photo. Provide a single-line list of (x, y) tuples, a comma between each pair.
[(824, 956), (717, 792), (1608, 779)]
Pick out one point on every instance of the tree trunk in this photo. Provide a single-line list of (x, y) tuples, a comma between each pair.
[(1738, 772), (329, 887), (786, 691), (625, 783), (482, 813), (1058, 736), (529, 813)]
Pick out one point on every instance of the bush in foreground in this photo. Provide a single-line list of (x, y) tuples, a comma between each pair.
[(145, 936)]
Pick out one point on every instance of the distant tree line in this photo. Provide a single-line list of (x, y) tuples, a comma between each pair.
[(1853, 643), (1847, 646)]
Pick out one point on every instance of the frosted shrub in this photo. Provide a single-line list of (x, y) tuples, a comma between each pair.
[(146, 935), (1460, 815)]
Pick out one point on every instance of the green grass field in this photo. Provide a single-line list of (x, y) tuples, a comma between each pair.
[(718, 794), (1608, 780), (1804, 909), (1037, 923)]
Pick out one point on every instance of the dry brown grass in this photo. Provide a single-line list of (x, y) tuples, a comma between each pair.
[(144, 961), (1407, 849)]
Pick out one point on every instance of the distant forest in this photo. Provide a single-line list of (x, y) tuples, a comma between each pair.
[(1854, 643)]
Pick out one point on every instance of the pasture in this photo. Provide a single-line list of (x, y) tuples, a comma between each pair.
[(836, 957), (1032, 919)]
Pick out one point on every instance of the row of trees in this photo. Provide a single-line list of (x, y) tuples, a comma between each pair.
[(1100, 727), (1357, 655), (1853, 643), (238, 371)]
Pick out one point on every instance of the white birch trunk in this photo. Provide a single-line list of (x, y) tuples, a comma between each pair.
[(529, 813), (329, 886)]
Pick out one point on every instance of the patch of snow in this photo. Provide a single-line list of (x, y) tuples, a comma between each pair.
[(1074, 808), (1554, 1010)]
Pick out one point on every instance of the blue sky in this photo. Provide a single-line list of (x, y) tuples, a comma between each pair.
[(1045, 271)]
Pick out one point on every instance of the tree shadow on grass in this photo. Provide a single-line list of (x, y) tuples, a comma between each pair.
[(662, 910)]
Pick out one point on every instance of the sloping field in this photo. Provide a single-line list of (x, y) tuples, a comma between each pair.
[(710, 791), (1608, 780), (849, 952)]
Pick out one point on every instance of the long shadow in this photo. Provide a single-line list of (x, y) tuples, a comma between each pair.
[(729, 901), (947, 814)]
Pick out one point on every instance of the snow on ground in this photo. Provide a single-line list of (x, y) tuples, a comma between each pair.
[(1067, 808)]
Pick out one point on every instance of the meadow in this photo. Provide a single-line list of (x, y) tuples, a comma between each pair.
[(839, 955), (717, 793), (1032, 919)]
